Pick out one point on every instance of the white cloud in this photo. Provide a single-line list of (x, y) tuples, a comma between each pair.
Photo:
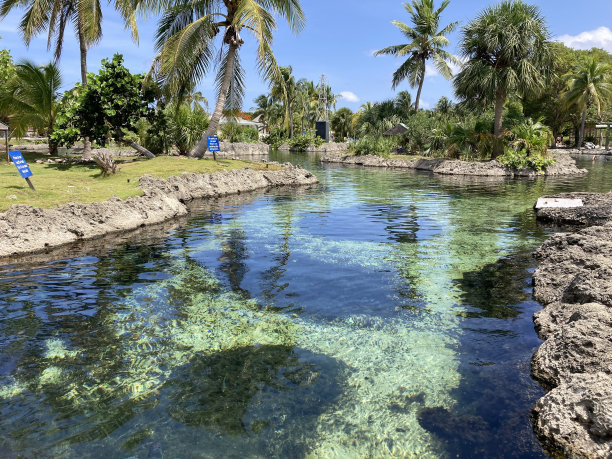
[(424, 104), (349, 96), (430, 71), (598, 38)]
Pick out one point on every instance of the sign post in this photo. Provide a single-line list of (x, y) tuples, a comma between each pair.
[(22, 166), (213, 145)]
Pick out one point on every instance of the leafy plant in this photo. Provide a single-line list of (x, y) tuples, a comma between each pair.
[(233, 132), (186, 126), (373, 145)]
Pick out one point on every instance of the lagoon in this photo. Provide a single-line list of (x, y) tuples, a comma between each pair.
[(381, 313)]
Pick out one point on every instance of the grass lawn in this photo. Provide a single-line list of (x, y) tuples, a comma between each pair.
[(62, 183)]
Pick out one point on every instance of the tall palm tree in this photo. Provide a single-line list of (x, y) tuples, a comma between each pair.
[(427, 41), (284, 88), (31, 98), (186, 43), (403, 104), (507, 52), (55, 15), (588, 84), (308, 101)]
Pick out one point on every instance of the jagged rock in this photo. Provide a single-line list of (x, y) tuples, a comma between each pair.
[(581, 345), (575, 418), (27, 229), (564, 165), (597, 209)]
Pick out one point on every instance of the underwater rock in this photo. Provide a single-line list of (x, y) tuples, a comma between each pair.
[(26, 229), (452, 427), (575, 418), (564, 165)]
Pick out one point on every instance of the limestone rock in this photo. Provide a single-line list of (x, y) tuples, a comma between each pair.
[(575, 418)]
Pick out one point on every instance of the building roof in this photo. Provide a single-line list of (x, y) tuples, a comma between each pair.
[(398, 129), (3, 127)]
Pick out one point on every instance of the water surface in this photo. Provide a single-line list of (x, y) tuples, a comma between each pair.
[(382, 313)]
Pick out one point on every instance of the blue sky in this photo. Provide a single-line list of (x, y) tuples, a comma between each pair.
[(338, 40)]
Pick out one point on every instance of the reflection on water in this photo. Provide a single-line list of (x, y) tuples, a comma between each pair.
[(383, 313)]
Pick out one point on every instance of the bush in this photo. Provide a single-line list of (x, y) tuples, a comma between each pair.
[(187, 127), (302, 142), (373, 145), (520, 159), (233, 132)]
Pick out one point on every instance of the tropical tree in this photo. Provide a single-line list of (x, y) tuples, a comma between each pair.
[(589, 84), (284, 88), (263, 108), (308, 101), (427, 41), (403, 104), (341, 122), (109, 107), (508, 53), (30, 99), (186, 44), (55, 15)]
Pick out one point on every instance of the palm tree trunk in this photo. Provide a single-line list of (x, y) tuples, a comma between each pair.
[(500, 99), (418, 96), (290, 121), (140, 149), (202, 146), (83, 50), (582, 123)]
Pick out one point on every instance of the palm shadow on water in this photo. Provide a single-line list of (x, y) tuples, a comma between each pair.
[(496, 393), (259, 400)]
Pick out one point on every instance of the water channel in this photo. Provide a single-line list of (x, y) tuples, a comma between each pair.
[(380, 314)]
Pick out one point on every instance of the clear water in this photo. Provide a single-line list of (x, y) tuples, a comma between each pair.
[(380, 314)]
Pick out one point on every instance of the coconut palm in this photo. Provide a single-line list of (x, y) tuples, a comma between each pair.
[(508, 53), (427, 41), (31, 97), (308, 101), (589, 84), (403, 104), (186, 44)]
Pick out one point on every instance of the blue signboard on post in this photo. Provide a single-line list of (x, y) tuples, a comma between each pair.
[(22, 166), (213, 143), (20, 163)]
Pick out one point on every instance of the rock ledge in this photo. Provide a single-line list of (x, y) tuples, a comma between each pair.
[(574, 283), (26, 229)]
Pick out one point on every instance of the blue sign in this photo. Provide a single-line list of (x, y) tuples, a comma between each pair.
[(213, 143), (21, 164)]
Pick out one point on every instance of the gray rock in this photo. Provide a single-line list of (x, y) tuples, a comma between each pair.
[(564, 165), (581, 345), (575, 419), (597, 209)]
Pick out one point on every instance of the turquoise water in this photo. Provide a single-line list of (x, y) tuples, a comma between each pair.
[(380, 314)]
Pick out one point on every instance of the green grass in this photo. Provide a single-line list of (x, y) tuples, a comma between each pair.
[(58, 184)]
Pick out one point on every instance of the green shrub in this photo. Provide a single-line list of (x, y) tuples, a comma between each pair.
[(373, 145), (302, 142), (187, 126), (233, 132), (520, 159)]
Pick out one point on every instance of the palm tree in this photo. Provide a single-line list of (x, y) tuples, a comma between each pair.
[(342, 122), (426, 42), (588, 84), (54, 15), (284, 88), (31, 97), (308, 101), (403, 104), (264, 106), (507, 52), (186, 42)]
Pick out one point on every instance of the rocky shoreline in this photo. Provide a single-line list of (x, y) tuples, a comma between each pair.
[(564, 165), (26, 229), (574, 283)]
